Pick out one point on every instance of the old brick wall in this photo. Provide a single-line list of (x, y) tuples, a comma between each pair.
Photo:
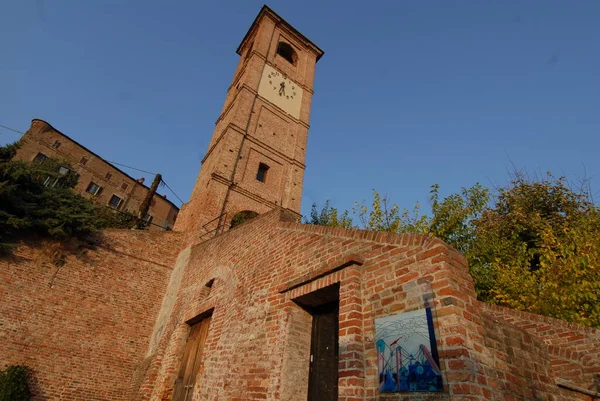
[(573, 351), (259, 337), (84, 327), (517, 365), (112, 322)]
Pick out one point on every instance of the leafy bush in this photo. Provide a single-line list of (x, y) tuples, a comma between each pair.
[(37, 198), (532, 245), (242, 217), (13, 383)]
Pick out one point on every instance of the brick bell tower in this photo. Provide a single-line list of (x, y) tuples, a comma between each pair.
[(255, 159)]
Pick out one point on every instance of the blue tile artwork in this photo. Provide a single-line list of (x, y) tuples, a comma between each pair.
[(407, 353)]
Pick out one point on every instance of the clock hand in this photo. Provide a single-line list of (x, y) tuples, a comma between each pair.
[(282, 88)]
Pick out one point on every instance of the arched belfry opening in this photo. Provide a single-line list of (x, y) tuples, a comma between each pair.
[(242, 217), (287, 52)]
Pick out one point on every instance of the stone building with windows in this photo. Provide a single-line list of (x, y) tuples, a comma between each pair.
[(99, 180), (272, 309)]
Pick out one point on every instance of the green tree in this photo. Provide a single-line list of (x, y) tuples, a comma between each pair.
[(532, 245), (36, 198), (454, 219), (13, 383), (328, 216), (382, 215), (538, 249)]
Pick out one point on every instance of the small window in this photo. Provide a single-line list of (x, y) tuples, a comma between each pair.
[(287, 52), (40, 157), (261, 175), (148, 219), (93, 188), (124, 186), (108, 176), (56, 145), (115, 201), (83, 160)]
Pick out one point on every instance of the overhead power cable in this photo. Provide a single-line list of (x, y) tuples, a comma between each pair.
[(148, 172), (167, 185), (11, 129), (132, 168)]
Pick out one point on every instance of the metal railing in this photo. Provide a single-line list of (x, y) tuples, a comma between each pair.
[(206, 234)]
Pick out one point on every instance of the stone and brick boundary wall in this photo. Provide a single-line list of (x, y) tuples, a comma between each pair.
[(112, 322), (572, 351), (84, 326), (258, 344)]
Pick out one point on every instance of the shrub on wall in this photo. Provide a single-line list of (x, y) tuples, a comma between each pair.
[(13, 383), (37, 199), (242, 217)]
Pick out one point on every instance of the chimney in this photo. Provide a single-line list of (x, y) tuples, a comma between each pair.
[(141, 180)]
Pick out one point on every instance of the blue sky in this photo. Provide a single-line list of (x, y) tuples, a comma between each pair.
[(408, 94)]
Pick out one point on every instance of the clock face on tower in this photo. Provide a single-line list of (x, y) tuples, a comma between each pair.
[(281, 91)]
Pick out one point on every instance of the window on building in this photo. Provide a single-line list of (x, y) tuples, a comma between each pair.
[(108, 176), (56, 144), (261, 174), (287, 52), (40, 157), (115, 201), (83, 160), (93, 188), (124, 186), (148, 219)]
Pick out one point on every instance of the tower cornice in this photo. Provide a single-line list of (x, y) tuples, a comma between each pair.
[(266, 11)]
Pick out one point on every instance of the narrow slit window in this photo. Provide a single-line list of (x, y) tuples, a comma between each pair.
[(287, 52), (261, 174)]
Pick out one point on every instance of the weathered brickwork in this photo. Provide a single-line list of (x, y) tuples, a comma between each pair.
[(573, 350), (42, 138), (83, 327), (113, 323), (515, 365), (259, 339)]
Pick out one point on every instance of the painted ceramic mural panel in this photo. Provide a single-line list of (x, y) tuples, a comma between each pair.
[(407, 353)]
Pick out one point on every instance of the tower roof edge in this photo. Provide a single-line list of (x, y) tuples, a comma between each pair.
[(266, 10)]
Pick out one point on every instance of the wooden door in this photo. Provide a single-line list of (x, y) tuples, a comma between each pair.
[(191, 362), (323, 376)]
